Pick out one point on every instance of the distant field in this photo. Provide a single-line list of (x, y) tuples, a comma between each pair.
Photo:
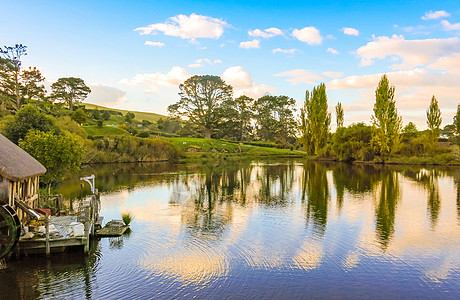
[(152, 117), (103, 131)]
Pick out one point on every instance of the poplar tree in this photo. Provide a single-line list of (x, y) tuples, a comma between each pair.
[(386, 122), (339, 114), (457, 124), (434, 120), (317, 120)]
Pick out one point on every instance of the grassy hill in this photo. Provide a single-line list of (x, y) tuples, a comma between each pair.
[(139, 116)]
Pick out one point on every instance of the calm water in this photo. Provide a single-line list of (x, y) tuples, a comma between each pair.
[(260, 230)]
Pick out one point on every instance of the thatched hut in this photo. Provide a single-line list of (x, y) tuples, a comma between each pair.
[(19, 176)]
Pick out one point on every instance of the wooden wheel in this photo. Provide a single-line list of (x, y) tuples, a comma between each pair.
[(10, 229)]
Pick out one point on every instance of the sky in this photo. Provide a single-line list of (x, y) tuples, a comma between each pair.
[(134, 54)]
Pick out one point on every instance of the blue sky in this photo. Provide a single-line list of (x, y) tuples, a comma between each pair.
[(134, 54)]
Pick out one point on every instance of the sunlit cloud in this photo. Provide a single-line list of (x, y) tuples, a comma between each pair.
[(432, 15), (300, 76), (309, 35), (154, 44), (448, 26), (187, 27), (154, 81), (332, 50), (106, 95), (243, 85), (413, 53), (287, 51), (203, 61), (250, 44), (350, 31), (267, 33)]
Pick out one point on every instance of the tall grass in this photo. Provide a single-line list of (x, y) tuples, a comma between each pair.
[(127, 217)]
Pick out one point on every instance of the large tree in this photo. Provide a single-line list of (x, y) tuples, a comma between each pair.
[(200, 102), (69, 90), (386, 122), (316, 121), (457, 124), (237, 115), (434, 120), (275, 119)]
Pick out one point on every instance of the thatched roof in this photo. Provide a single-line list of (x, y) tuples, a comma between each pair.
[(15, 163)]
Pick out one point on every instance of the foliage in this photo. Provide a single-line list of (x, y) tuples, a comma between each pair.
[(58, 153), (26, 119), (386, 121), (434, 120), (457, 124), (315, 126), (409, 131), (69, 90), (127, 217), (237, 115), (201, 98), (129, 117), (353, 143), (170, 125), (339, 115), (79, 116), (275, 120)]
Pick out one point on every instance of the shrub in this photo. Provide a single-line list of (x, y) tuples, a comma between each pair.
[(127, 218)]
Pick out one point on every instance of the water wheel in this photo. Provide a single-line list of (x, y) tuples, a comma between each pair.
[(10, 229)]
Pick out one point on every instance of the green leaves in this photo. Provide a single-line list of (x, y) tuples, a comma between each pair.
[(315, 120), (386, 122), (69, 90), (339, 114), (433, 116)]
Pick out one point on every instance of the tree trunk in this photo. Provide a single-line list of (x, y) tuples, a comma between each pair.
[(207, 133)]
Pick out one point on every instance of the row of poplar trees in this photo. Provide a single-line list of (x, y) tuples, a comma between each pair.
[(315, 119)]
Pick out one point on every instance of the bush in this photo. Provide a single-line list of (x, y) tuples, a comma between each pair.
[(127, 218)]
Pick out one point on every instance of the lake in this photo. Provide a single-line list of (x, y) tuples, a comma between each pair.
[(249, 230)]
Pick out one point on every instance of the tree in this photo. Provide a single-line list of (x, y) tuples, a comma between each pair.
[(58, 153), (236, 118), (434, 120), (32, 84), (386, 122), (353, 143), (129, 117), (317, 120), (339, 114), (69, 90), (410, 131), (457, 124), (275, 118), (79, 116), (11, 69), (201, 98), (26, 119)]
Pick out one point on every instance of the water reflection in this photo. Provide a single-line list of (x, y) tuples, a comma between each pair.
[(290, 229)]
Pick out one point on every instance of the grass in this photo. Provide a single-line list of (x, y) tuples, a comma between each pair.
[(127, 217), (139, 116), (93, 130), (211, 148)]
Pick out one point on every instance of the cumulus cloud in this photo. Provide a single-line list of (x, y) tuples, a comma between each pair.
[(432, 15), (413, 53), (106, 95), (448, 26), (154, 81), (300, 76), (332, 50), (267, 33), (243, 85), (250, 44), (188, 27), (202, 61), (350, 31), (154, 44), (287, 51), (309, 35), (331, 74)]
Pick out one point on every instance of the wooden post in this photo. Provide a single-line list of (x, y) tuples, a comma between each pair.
[(47, 223)]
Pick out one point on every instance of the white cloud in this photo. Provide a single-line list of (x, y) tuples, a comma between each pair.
[(435, 15), (154, 44), (200, 62), (287, 51), (188, 27), (332, 50), (243, 85), (350, 31), (413, 53), (106, 95), (250, 44), (174, 77), (300, 76), (267, 33), (448, 26), (309, 35)]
